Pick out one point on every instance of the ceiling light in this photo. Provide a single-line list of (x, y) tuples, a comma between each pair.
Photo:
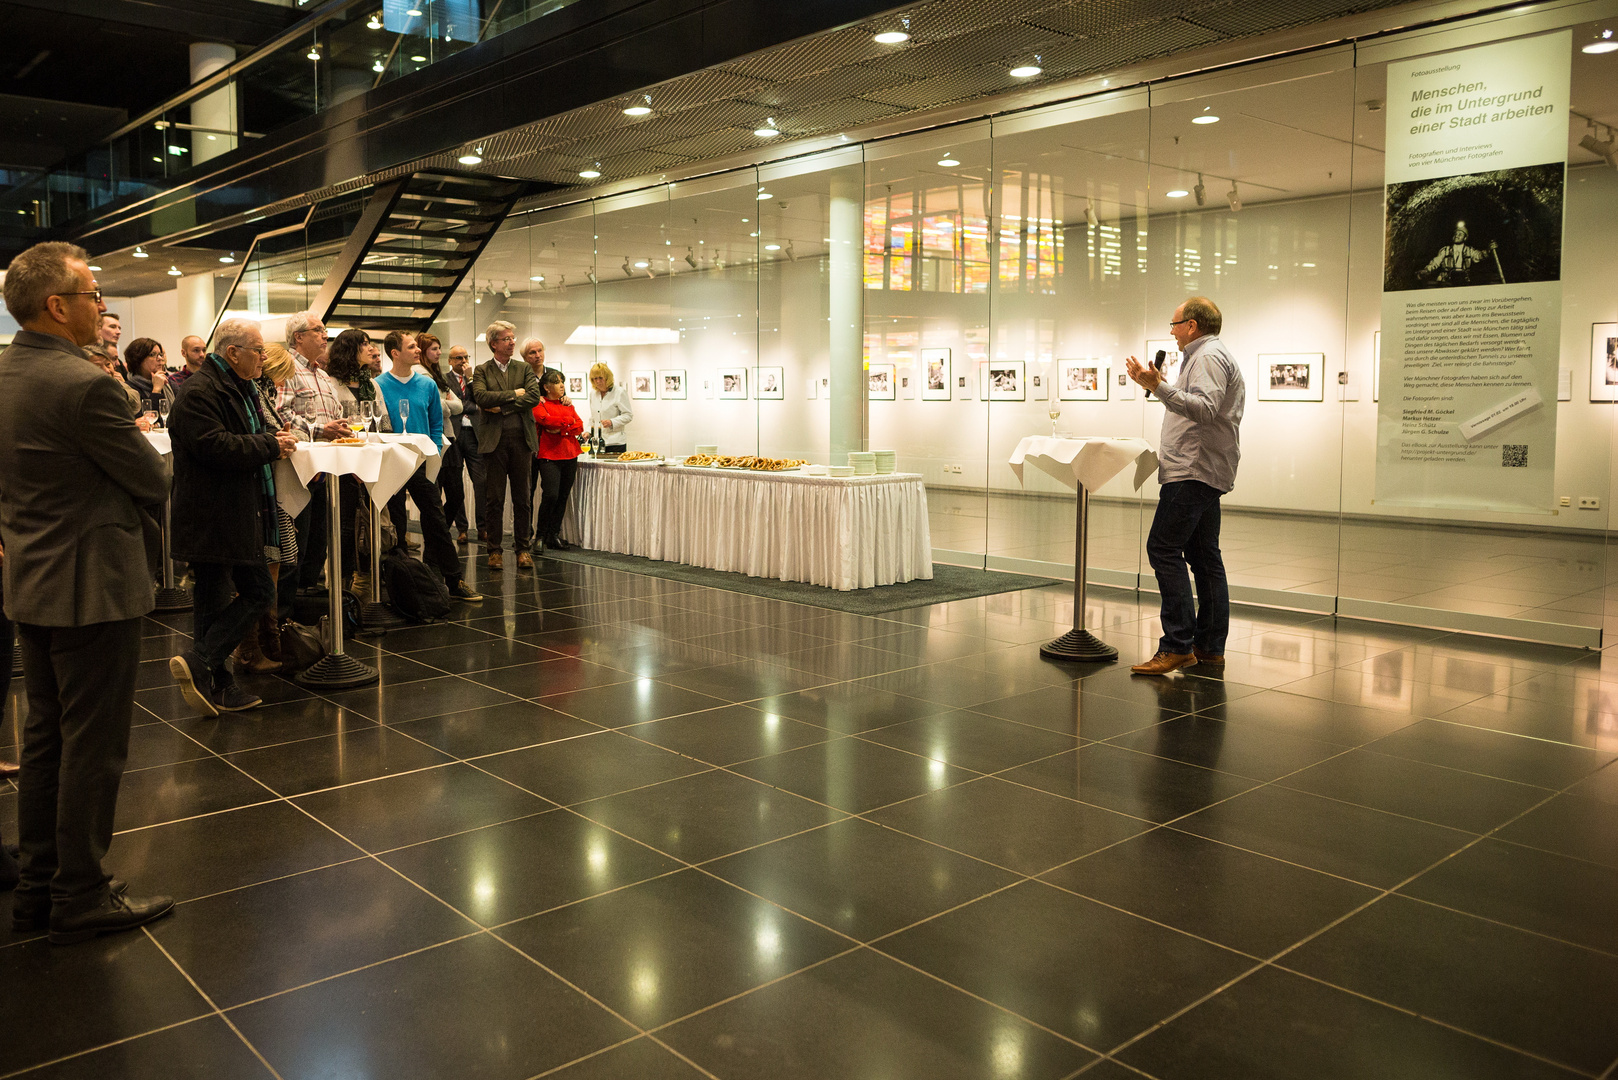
[(95, 269), (1027, 71), (177, 150), (1205, 118), (629, 271), (690, 258), (762, 195), (139, 252), (229, 257), (640, 110), (418, 59), (301, 278), (413, 13), (173, 271), (1178, 193), (375, 22), (948, 162), (891, 37), (1201, 192), (505, 290), (537, 277), (378, 66), (623, 335), (768, 131), (592, 172), (1604, 45), (593, 279), (792, 256), (472, 157), (641, 264), (1233, 199), (772, 247), (313, 53)]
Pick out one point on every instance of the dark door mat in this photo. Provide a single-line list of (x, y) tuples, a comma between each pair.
[(948, 583)]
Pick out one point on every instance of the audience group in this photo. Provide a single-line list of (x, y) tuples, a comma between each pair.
[(82, 487)]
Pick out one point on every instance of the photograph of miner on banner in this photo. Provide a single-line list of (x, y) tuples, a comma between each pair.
[(1488, 228)]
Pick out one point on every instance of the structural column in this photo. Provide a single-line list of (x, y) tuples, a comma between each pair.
[(850, 418), (214, 113)]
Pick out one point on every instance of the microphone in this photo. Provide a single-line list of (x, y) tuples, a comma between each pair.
[(1157, 364)]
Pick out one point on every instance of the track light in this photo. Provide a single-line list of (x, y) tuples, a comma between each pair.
[(1199, 191), (1606, 151), (1233, 199), (593, 279), (792, 256), (139, 252), (629, 271), (690, 258), (1090, 218), (505, 290)]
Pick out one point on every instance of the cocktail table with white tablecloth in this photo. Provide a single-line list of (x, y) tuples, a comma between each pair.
[(853, 532), (1084, 464)]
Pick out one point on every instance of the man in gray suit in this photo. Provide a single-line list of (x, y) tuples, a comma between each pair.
[(506, 394), (73, 471)]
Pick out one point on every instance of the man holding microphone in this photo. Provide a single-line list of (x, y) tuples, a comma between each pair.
[(1199, 450)]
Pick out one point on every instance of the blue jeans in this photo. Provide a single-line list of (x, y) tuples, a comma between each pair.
[(225, 602), (1186, 530)]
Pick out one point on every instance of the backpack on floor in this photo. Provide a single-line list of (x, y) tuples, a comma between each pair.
[(415, 592)]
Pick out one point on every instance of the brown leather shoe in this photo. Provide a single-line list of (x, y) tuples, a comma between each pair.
[(1163, 663), (525, 561), (460, 537), (495, 560), (1208, 658)]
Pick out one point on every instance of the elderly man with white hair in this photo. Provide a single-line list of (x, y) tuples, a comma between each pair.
[(315, 398), (224, 513)]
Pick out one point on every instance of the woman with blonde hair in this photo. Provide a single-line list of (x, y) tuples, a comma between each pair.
[(610, 412)]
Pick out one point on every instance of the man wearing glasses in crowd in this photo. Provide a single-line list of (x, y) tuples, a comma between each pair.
[(1199, 451), (74, 471), (311, 395)]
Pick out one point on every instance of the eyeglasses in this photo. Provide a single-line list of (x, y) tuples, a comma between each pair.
[(87, 292), (261, 350), (322, 333), (1176, 322)]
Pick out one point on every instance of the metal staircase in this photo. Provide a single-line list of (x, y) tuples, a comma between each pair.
[(415, 241)]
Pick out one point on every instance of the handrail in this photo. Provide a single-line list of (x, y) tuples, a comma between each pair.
[(229, 72)]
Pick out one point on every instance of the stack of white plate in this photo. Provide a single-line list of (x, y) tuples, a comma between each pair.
[(885, 461), (839, 470), (864, 462), (712, 450)]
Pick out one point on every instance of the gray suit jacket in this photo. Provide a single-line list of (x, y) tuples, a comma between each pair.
[(492, 390), (73, 469)]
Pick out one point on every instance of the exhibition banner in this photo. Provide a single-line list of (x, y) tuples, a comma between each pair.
[(1472, 277)]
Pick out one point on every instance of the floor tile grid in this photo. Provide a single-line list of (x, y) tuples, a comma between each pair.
[(1276, 959)]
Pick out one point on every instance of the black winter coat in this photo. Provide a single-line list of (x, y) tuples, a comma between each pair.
[(219, 511)]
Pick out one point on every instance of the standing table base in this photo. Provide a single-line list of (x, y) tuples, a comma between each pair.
[(1078, 643), (335, 670), (375, 616)]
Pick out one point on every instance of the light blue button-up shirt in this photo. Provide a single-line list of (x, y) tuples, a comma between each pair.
[(1202, 418)]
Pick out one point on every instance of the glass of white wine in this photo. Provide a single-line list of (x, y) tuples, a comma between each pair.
[(1055, 413)]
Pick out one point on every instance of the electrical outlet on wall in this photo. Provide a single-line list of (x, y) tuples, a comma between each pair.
[(1567, 500), (955, 469), (1589, 502)]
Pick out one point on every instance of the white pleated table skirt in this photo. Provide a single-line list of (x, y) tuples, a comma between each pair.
[(843, 532)]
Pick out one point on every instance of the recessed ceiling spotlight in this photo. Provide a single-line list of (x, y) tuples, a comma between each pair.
[(313, 53), (772, 247), (537, 277), (228, 257), (641, 264), (1027, 71), (1205, 118), (763, 195), (413, 13), (139, 252), (173, 271), (95, 269), (375, 22), (891, 37), (1178, 193), (1605, 45), (641, 109), (418, 59), (301, 278), (768, 131), (592, 172), (472, 157), (948, 162)]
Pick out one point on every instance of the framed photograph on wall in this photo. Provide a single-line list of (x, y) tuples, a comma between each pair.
[(1291, 376), (576, 384), (1084, 379), (935, 375), (642, 384), (1006, 380), (769, 384), (1172, 359), (732, 382), (1604, 361), (673, 380), (879, 382)]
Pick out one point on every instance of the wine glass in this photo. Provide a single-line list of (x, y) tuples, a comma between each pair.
[(151, 417), (404, 415), (351, 413), (163, 410), (1055, 413), (368, 413)]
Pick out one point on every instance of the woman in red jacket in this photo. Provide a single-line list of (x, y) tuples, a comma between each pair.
[(557, 459)]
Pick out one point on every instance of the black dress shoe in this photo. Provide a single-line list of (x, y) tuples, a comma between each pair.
[(120, 912), (27, 915)]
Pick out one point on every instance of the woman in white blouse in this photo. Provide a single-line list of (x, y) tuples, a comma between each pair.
[(609, 408)]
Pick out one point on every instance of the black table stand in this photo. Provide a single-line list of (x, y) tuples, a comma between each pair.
[(1078, 643), (170, 597), (375, 616), (336, 670)]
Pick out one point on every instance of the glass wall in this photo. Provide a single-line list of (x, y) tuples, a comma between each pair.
[(948, 293)]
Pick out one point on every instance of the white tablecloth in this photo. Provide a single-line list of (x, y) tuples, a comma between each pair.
[(844, 532), (383, 466), (1089, 462)]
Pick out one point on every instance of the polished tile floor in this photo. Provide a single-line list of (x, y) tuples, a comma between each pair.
[(609, 826)]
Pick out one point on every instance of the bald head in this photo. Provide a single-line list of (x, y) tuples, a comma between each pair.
[(193, 350)]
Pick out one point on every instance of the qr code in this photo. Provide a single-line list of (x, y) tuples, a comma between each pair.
[(1514, 455)]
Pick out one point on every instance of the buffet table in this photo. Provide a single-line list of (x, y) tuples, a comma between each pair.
[(852, 532)]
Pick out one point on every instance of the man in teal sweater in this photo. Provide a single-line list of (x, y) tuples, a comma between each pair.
[(414, 406)]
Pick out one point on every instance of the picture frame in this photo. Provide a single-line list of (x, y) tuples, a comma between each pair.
[(671, 384), (814, 389), (1086, 378), (732, 383), (935, 375), (1007, 380), (1291, 377), (643, 385), (1172, 359), (769, 383), (880, 383), (1604, 361), (576, 384)]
